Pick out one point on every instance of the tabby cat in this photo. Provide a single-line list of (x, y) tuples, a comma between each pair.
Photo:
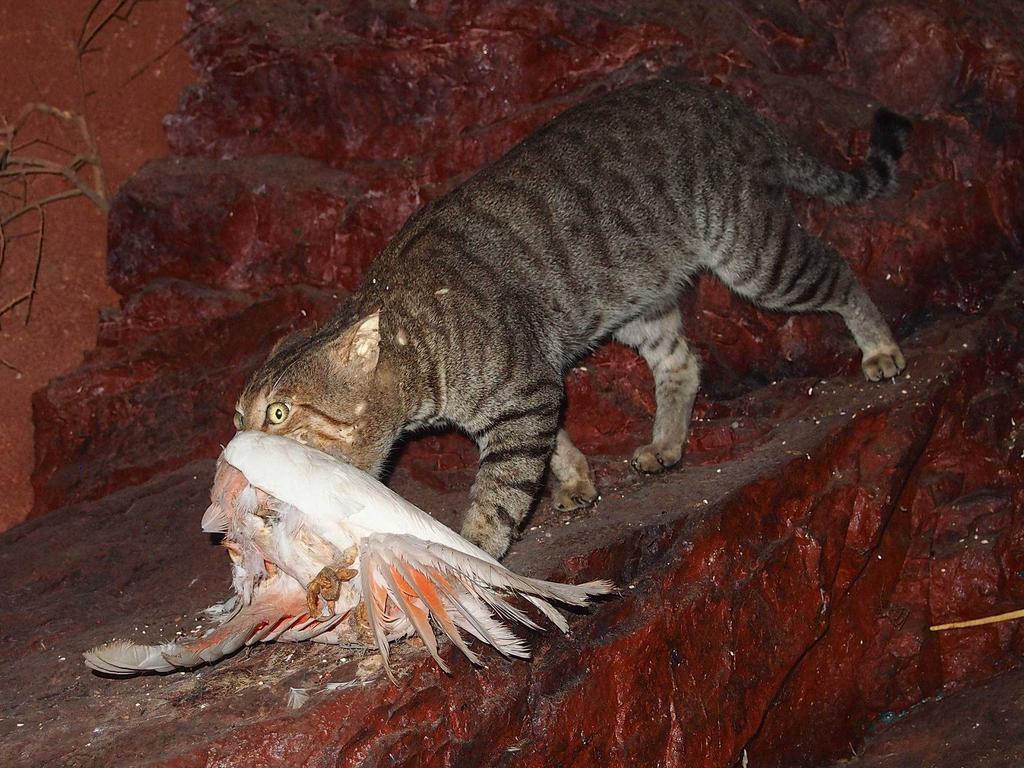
[(589, 228)]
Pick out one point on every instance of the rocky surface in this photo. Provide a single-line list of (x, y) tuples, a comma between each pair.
[(776, 594), (154, 400), (976, 728), (777, 587)]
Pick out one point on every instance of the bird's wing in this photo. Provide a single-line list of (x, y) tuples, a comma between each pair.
[(384, 511), (277, 612), (422, 579)]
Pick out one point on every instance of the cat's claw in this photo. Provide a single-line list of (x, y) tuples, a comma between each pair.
[(651, 459), (577, 494), (884, 364)]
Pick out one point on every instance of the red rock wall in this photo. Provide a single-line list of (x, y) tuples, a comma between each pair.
[(311, 136)]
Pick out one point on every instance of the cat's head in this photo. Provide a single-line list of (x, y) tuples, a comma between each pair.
[(329, 390)]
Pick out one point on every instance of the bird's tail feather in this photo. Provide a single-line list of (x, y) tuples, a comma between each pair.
[(405, 578)]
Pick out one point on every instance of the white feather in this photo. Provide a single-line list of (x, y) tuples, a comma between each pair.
[(339, 501), (122, 657), (297, 697), (215, 520)]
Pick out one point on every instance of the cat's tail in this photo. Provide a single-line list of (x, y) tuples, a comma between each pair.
[(877, 176)]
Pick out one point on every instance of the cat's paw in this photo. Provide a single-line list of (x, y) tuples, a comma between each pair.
[(576, 494), (493, 537), (883, 364), (651, 459)]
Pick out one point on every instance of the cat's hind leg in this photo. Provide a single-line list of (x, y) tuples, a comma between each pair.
[(659, 340), (574, 482), (783, 267), (882, 357)]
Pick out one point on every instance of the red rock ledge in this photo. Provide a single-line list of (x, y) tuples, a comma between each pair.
[(776, 597)]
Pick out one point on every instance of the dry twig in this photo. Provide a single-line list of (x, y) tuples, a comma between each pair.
[(191, 31), (30, 295), (92, 26), (18, 166), (11, 366), (1009, 616), (21, 170), (25, 160)]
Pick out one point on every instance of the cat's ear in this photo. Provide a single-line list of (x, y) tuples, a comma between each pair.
[(358, 347)]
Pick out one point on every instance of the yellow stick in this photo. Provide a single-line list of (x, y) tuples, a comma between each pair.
[(978, 622)]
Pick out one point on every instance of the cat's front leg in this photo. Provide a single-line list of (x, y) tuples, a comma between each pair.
[(573, 479), (514, 452)]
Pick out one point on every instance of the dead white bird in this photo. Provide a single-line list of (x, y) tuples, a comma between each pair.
[(322, 551)]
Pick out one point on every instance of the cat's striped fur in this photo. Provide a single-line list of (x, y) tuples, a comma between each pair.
[(586, 230)]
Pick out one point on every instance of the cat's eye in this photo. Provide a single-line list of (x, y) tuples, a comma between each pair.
[(277, 412), (239, 421)]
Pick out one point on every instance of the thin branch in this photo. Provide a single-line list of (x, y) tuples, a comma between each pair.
[(181, 39), (30, 295), (159, 57), (39, 264), (11, 366), (10, 129), (38, 168), (998, 618), (44, 142), (44, 201), (98, 194), (22, 235), (99, 178), (74, 163), (121, 11), (14, 303), (85, 24)]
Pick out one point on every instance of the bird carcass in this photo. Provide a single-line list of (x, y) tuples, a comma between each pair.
[(322, 551)]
